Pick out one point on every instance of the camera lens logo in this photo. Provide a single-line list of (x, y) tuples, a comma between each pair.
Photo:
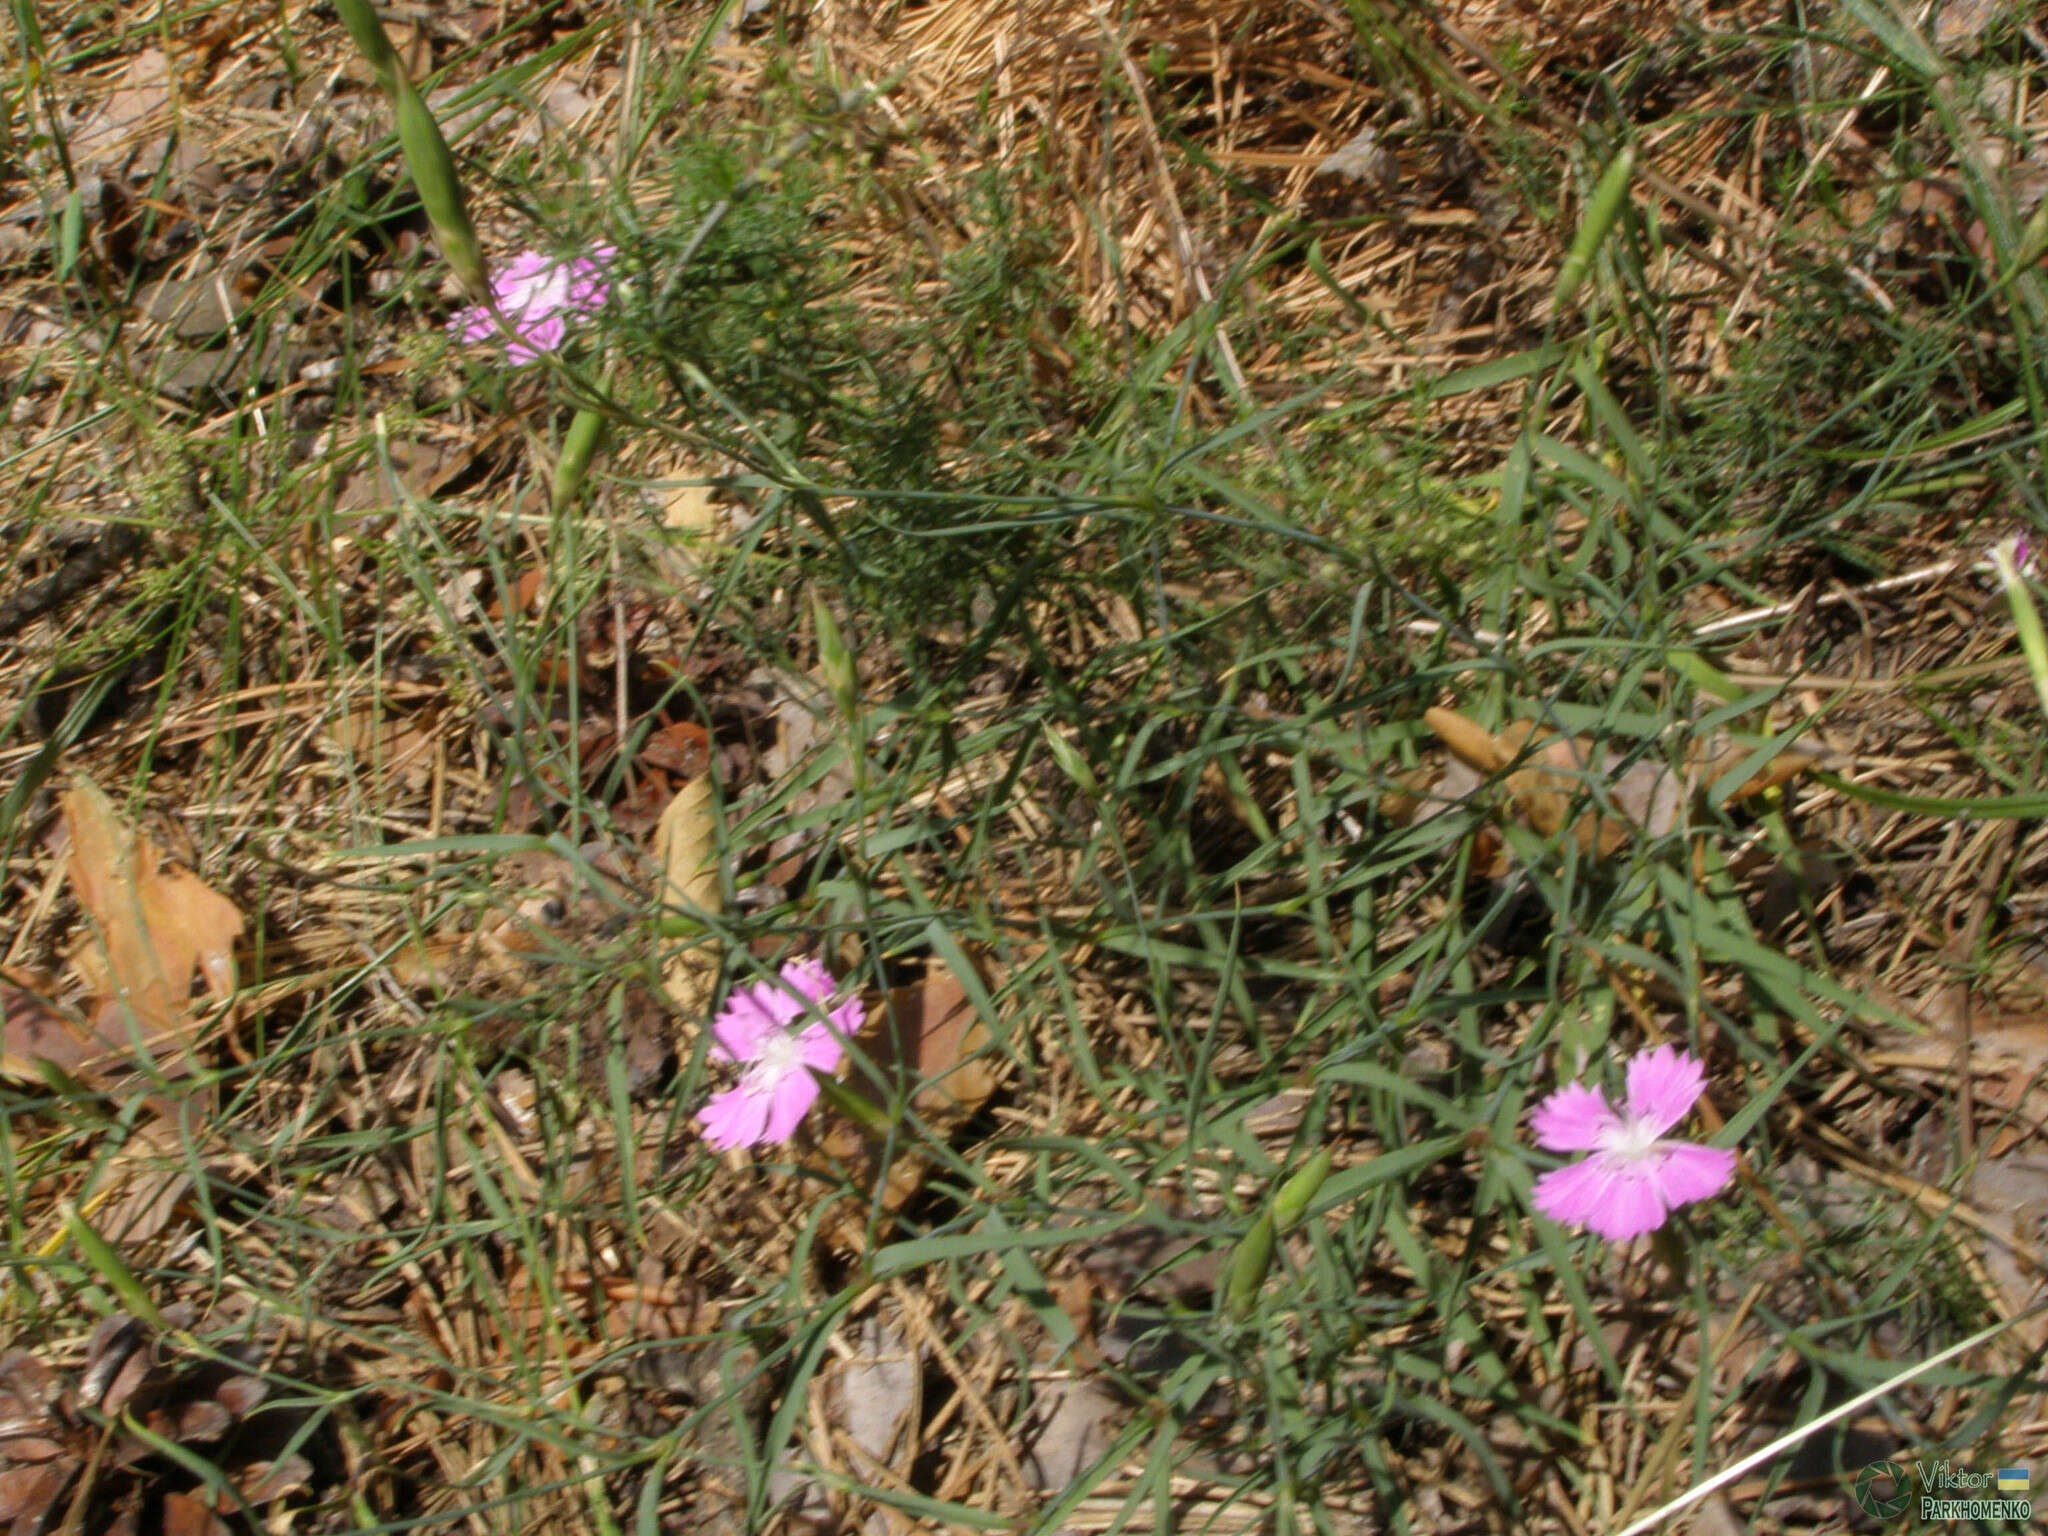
[(1876, 1500)]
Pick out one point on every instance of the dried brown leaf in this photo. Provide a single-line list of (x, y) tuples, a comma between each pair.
[(1959, 25), (930, 1041), (28, 1391), (1551, 782), (805, 718), (681, 748), (874, 1399), (2012, 1192), (416, 470), (400, 747), (1470, 742), (1711, 759), (184, 1515), (31, 1450), (267, 1480), (27, 1494), (948, 1041), (36, 1030), (1547, 777), (241, 1394), (686, 853), (197, 1422), (1364, 159), (1073, 1420), (135, 113), (155, 929), (116, 1362)]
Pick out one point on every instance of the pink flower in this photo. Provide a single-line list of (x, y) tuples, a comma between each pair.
[(757, 1030), (533, 296), (1634, 1178)]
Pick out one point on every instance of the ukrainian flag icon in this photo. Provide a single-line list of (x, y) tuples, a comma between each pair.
[(2012, 1479)]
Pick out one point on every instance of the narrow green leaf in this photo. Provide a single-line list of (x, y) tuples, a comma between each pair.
[(1703, 675), (112, 1268), (2026, 618), (1490, 375), (835, 658), (1992, 807)]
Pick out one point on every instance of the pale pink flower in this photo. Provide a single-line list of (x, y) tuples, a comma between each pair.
[(757, 1029), (533, 297), (1635, 1177)]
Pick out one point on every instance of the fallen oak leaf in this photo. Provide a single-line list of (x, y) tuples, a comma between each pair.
[(153, 932), (155, 929)]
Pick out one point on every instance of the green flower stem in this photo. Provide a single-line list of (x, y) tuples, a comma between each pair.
[(427, 156)]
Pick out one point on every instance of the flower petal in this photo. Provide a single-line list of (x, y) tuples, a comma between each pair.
[(791, 1096), (747, 1019), (519, 274), (1685, 1172), (735, 1118), (1574, 1193), (534, 296), (819, 1047), (1573, 1119), (535, 337), (1616, 1198), (472, 324), (1662, 1087), (809, 979), (1632, 1205)]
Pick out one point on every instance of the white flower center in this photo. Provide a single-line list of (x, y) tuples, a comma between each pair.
[(1633, 1140), (778, 1056)]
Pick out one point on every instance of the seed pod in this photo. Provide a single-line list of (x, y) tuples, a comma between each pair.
[(1602, 209), (1254, 1254), (1291, 1204), (579, 446)]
